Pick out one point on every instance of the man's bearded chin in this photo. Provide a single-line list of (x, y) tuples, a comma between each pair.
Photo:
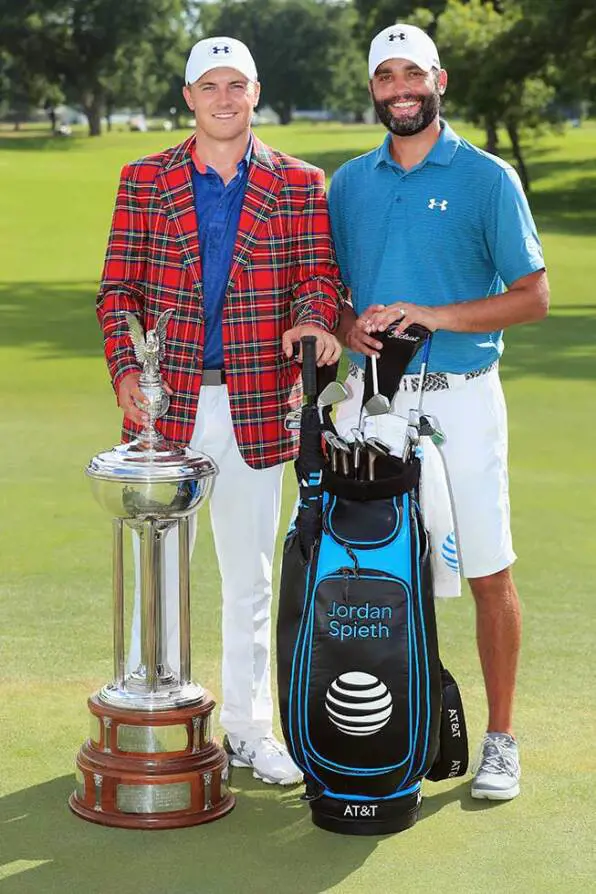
[(408, 127)]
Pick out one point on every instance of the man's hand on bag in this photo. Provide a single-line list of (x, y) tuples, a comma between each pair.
[(404, 314), (357, 336), (328, 347), (130, 395)]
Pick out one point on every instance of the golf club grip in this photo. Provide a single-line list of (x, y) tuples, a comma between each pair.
[(309, 365)]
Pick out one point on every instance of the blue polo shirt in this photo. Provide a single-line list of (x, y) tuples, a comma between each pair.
[(456, 227), (218, 208)]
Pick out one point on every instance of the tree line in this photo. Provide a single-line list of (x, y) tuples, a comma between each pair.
[(513, 64)]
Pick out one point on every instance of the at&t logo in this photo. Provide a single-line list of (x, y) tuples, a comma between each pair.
[(361, 810), (358, 704)]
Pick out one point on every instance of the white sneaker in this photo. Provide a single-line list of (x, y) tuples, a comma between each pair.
[(497, 769), (268, 758)]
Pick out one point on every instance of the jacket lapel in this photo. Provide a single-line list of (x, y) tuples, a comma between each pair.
[(262, 188), (175, 183)]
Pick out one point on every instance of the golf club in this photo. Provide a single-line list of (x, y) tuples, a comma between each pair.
[(378, 404), (413, 430), (375, 448), (329, 438), (359, 446), (333, 393)]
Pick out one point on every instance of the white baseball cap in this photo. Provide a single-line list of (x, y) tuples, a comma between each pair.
[(219, 52), (403, 42)]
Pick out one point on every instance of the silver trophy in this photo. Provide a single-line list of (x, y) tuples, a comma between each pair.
[(149, 351), (150, 761)]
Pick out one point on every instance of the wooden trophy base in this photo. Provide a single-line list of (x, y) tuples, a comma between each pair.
[(151, 769)]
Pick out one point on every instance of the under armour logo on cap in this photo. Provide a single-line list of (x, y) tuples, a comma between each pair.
[(403, 42), (220, 52), (217, 49)]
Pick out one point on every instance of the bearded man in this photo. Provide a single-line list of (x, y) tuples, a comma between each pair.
[(429, 229)]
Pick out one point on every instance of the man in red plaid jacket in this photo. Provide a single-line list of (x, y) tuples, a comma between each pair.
[(235, 238)]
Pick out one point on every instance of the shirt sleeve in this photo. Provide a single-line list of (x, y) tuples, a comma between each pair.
[(511, 233)]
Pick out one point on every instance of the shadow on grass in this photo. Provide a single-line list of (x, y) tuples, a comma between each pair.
[(37, 142), (431, 804), (559, 347), (57, 316), (267, 843)]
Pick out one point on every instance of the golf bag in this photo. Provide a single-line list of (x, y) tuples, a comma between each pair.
[(367, 710)]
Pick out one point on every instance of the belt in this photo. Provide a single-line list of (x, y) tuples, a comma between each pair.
[(432, 381), (213, 377)]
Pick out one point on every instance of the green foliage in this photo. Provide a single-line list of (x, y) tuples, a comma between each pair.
[(374, 15), (98, 51), (485, 49), (304, 50)]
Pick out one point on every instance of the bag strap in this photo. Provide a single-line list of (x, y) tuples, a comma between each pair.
[(452, 755)]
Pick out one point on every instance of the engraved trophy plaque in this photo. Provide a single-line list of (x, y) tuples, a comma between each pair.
[(150, 761)]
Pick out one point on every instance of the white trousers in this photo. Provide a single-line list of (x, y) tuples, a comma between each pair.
[(473, 416), (244, 508)]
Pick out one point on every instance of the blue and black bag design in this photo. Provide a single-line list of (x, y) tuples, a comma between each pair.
[(361, 687), (366, 708)]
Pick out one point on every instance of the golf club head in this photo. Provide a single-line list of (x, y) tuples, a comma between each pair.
[(377, 405), (358, 437), (333, 393), (381, 446), (375, 448), (430, 428), (329, 438), (345, 452)]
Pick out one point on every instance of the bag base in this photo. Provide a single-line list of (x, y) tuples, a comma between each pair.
[(357, 818)]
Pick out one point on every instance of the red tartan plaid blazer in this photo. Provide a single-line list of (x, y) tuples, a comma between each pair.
[(283, 274)]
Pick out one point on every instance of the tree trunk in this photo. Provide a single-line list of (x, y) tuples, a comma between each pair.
[(284, 110), (359, 117), (513, 134), (492, 137), (92, 109)]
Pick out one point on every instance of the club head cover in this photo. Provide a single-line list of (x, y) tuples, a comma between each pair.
[(397, 351)]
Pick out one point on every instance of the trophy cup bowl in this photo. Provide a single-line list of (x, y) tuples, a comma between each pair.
[(150, 760), (132, 483)]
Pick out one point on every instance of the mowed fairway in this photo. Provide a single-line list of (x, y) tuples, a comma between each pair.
[(57, 410)]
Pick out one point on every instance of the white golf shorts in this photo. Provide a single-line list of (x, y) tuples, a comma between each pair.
[(472, 415)]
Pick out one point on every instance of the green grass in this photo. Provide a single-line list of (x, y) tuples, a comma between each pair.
[(58, 410)]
